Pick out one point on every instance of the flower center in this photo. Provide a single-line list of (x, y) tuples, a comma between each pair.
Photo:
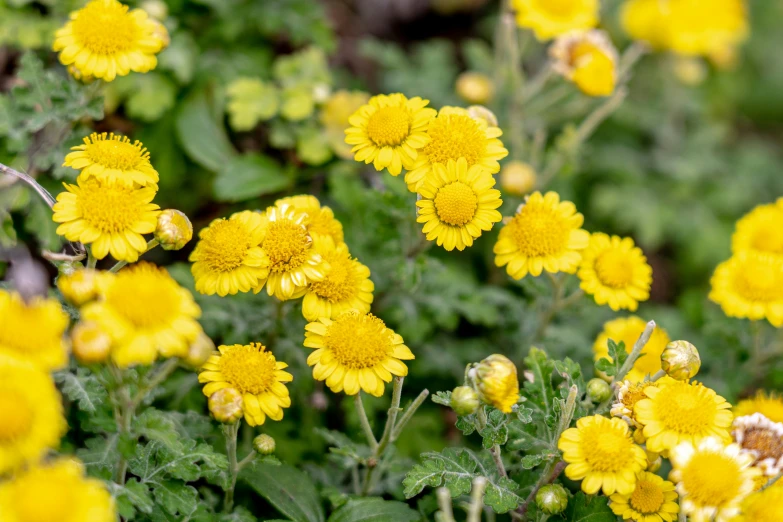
[(16, 417), (456, 203), (769, 237), (358, 341), (557, 8), (539, 232), (606, 450), (224, 245), (712, 479), (389, 126), (685, 408), (249, 369), (286, 244), (110, 209), (614, 269), (647, 497), (760, 281), (115, 152), (766, 443), (105, 27), (144, 295), (455, 136), (634, 394), (339, 283)]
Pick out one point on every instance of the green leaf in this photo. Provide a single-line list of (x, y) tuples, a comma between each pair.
[(454, 467), (374, 510), (240, 514), (250, 101), (175, 497), (496, 431), (99, 453), (155, 425), (617, 357), (202, 137), (83, 388), (298, 103), (152, 96), (442, 398), (538, 390), (249, 176), (584, 508), (132, 497), (289, 490), (312, 146), (531, 461), (501, 495)]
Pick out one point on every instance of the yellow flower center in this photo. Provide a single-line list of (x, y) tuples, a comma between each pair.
[(287, 245), (358, 341), (249, 369), (115, 152), (106, 28), (557, 8), (389, 126), (647, 498), (634, 394), (539, 231), (44, 500), (224, 245), (760, 281), (145, 296), (766, 443), (712, 479), (769, 237), (110, 209), (15, 417), (614, 269), (339, 283), (455, 136), (606, 448), (456, 203), (685, 408)]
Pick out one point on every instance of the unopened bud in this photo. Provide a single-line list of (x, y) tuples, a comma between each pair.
[(479, 112), (517, 177), (680, 360), (464, 400), (654, 461), (598, 390), (199, 351), (91, 343), (156, 9), (475, 87), (264, 444), (174, 229), (497, 382), (79, 287), (552, 499), (226, 405)]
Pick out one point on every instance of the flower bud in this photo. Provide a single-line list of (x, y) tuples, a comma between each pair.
[(552, 499), (475, 87), (517, 177), (174, 229), (79, 287), (157, 9), (690, 71), (199, 351), (680, 360), (264, 444), (479, 112), (598, 390), (464, 400), (497, 382), (654, 461), (91, 344), (226, 405)]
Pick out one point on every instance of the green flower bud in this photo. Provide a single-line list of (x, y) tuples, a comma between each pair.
[(497, 382), (174, 229), (598, 390), (464, 400), (199, 351), (264, 444), (226, 405), (479, 112), (552, 499), (680, 360)]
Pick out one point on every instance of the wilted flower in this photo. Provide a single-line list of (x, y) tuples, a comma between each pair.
[(763, 439), (479, 112), (497, 382)]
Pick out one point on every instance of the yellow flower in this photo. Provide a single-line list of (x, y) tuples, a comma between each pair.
[(763, 439), (750, 286), (452, 135), (90, 343), (112, 218), (79, 287), (712, 479), (653, 500), (321, 223), (768, 404), (497, 382), (31, 414), (601, 453), (761, 229), (294, 263), (114, 160), (518, 178), (588, 59), (682, 412), (628, 394), (615, 272), (57, 491), (146, 313), (227, 258), (105, 40), (334, 117), (545, 234), (458, 203), (551, 18), (627, 330), (764, 506), (355, 352), (33, 330), (389, 131), (347, 286), (475, 87), (256, 374)]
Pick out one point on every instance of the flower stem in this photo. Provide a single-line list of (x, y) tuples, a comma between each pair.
[(444, 504), (636, 352), (380, 447), (230, 433), (91, 259), (30, 181), (409, 412), (549, 313), (477, 499), (152, 243), (495, 451), (365, 422)]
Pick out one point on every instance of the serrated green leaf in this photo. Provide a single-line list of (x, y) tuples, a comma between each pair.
[(617, 357), (374, 510), (83, 388), (203, 139), (584, 508), (240, 514), (99, 453), (156, 425), (442, 397), (153, 94), (175, 497), (454, 468), (289, 490), (501, 495), (496, 431), (249, 176), (298, 103), (538, 390), (131, 497)]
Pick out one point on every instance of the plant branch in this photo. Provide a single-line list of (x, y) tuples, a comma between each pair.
[(444, 504), (409, 412), (230, 433), (365, 422), (637, 350), (30, 181), (477, 499)]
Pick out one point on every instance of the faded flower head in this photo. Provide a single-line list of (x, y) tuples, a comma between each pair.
[(762, 438)]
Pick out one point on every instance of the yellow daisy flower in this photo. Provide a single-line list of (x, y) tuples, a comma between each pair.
[(334, 117), (79, 287), (545, 234), (763, 439), (452, 135), (764, 506), (321, 223), (761, 229), (31, 413), (497, 382), (389, 131), (33, 330), (615, 272), (355, 352), (294, 262), (768, 404), (114, 160), (551, 18), (105, 40), (750, 286), (588, 59), (57, 491), (682, 412), (601, 453), (111, 218), (653, 500), (146, 313), (458, 203), (227, 258), (256, 374), (628, 330), (712, 479), (347, 286)]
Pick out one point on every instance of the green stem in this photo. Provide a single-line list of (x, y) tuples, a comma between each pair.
[(637, 350), (380, 447), (152, 243), (444, 504), (123, 417), (481, 423), (160, 375), (409, 412), (365, 422), (477, 499), (658, 375), (230, 433), (549, 313), (91, 259)]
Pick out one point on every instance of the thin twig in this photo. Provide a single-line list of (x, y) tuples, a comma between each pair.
[(365, 422), (444, 504), (230, 432), (30, 181), (637, 350), (477, 499), (409, 412)]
